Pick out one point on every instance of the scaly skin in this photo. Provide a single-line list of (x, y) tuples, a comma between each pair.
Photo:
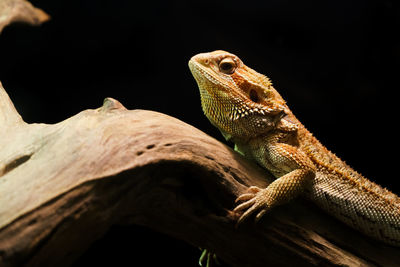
[(246, 108)]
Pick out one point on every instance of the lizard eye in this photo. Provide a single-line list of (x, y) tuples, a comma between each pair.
[(227, 65)]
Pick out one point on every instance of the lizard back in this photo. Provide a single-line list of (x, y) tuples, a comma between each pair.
[(247, 109), (350, 197)]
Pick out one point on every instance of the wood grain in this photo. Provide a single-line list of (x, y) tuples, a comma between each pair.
[(63, 185), (20, 11)]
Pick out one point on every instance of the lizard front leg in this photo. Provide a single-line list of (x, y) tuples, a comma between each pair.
[(297, 172)]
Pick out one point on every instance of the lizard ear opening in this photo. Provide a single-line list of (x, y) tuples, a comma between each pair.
[(254, 96)]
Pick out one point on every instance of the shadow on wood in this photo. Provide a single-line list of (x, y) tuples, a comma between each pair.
[(63, 185)]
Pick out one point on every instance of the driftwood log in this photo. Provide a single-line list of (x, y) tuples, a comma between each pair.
[(62, 186), (20, 11)]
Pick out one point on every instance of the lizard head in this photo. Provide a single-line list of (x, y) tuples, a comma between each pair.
[(239, 101)]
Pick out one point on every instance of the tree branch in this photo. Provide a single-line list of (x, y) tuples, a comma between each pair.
[(63, 185), (20, 11)]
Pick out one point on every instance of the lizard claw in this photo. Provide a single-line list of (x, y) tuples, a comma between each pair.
[(260, 214), (245, 205), (251, 192), (244, 197), (254, 189), (256, 200)]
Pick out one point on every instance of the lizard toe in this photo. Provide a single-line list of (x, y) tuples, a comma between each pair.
[(247, 213), (245, 205), (245, 197), (260, 214), (253, 189)]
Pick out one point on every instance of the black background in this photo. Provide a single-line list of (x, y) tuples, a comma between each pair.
[(335, 62)]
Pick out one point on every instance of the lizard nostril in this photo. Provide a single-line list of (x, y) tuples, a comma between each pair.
[(253, 96)]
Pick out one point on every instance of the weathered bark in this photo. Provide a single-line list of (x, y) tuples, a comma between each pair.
[(63, 185), (20, 11)]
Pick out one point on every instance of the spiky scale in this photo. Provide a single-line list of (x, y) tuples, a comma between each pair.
[(301, 164)]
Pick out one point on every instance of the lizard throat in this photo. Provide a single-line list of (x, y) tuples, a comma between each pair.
[(232, 115)]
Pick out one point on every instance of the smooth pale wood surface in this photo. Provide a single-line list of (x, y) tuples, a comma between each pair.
[(63, 185), (20, 11)]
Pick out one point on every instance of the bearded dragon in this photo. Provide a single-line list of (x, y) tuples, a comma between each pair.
[(248, 111)]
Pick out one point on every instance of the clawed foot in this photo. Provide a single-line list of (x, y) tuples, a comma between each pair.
[(208, 258), (256, 200)]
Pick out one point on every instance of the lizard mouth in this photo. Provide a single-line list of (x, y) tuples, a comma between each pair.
[(210, 85), (205, 77), (200, 73), (222, 96)]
